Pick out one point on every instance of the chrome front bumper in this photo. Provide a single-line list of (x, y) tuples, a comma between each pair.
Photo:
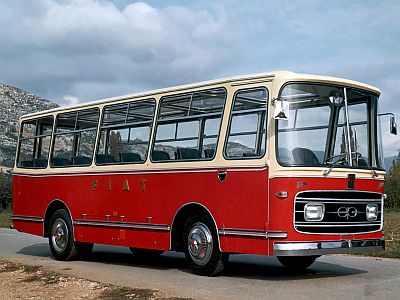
[(328, 247)]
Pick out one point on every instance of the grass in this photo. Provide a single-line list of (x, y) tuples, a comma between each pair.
[(5, 218), (391, 232)]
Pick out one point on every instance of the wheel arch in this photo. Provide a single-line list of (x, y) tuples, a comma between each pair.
[(54, 205), (179, 221)]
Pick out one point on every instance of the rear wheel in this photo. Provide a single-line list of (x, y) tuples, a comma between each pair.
[(202, 248), (61, 238), (297, 263)]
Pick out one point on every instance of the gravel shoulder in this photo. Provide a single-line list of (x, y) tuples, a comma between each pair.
[(19, 281)]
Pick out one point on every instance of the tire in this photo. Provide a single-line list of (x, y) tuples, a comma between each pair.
[(146, 253), (202, 248), (297, 263), (61, 238)]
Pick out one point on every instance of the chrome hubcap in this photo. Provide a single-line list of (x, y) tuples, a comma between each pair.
[(59, 235), (200, 243)]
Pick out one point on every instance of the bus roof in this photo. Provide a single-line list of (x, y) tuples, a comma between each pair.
[(283, 76)]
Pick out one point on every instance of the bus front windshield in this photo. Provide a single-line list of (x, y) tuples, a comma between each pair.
[(328, 126)]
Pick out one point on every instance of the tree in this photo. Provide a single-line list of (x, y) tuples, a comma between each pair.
[(392, 184), (5, 190)]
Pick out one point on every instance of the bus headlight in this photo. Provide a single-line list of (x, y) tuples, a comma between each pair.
[(372, 212), (314, 211)]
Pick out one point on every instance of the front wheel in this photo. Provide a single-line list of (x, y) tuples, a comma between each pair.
[(202, 248), (297, 263)]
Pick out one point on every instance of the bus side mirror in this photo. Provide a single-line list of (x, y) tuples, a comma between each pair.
[(393, 125), (281, 110)]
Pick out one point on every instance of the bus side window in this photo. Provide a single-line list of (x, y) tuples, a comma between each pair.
[(34, 143), (247, 125), (125, 133), (179, 140), (188, 126), (74, 138)]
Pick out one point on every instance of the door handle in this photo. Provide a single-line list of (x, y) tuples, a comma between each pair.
[(222, 175)]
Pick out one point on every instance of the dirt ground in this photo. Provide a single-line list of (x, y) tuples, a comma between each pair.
[(32, 282)]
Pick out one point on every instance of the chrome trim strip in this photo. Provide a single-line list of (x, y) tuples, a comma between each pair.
[(277, 234), (335, 212), (336, 224), (100, 172), (242, 232), (332, 200), (333, 177), (253, 233), (27, 219), (328, 247), (128, 225), (341, 191)]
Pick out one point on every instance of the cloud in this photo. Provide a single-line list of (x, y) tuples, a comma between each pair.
[(59, 47), (390, 95), (70, 100), (93, 49)]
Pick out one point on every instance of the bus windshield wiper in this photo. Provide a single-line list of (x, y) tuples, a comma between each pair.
[(342, 158)]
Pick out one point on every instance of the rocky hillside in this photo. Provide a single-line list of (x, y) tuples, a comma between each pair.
[(15, 102)]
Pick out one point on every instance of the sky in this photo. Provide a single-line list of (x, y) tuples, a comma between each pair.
[(73, 51)]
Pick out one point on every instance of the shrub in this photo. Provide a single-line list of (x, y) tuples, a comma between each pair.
[(5, 190), (392, 184)]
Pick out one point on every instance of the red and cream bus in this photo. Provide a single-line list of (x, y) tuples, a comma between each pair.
[(280, 164)]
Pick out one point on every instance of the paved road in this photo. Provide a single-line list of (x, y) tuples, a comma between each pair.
[(247, 276)]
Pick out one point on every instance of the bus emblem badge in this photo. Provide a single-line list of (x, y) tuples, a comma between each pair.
[(347, 212)]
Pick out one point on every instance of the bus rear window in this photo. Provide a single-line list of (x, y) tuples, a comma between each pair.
[(34, 143)]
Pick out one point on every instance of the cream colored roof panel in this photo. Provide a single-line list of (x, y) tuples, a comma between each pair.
[(290, 76), (281, 76)]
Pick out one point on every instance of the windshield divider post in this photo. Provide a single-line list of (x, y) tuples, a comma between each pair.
[(348, 146)]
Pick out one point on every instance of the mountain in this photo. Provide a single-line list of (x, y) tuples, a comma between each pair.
[(14, 103)]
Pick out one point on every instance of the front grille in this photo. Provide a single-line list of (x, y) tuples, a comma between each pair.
[(345, 212)]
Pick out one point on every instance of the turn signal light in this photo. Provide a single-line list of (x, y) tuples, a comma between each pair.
[(281, 195)]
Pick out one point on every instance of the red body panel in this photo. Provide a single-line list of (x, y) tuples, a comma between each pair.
[(149, 197), (243, 201)]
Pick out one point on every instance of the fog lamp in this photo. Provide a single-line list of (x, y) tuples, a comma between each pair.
[(372, 212), (314, 211)]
